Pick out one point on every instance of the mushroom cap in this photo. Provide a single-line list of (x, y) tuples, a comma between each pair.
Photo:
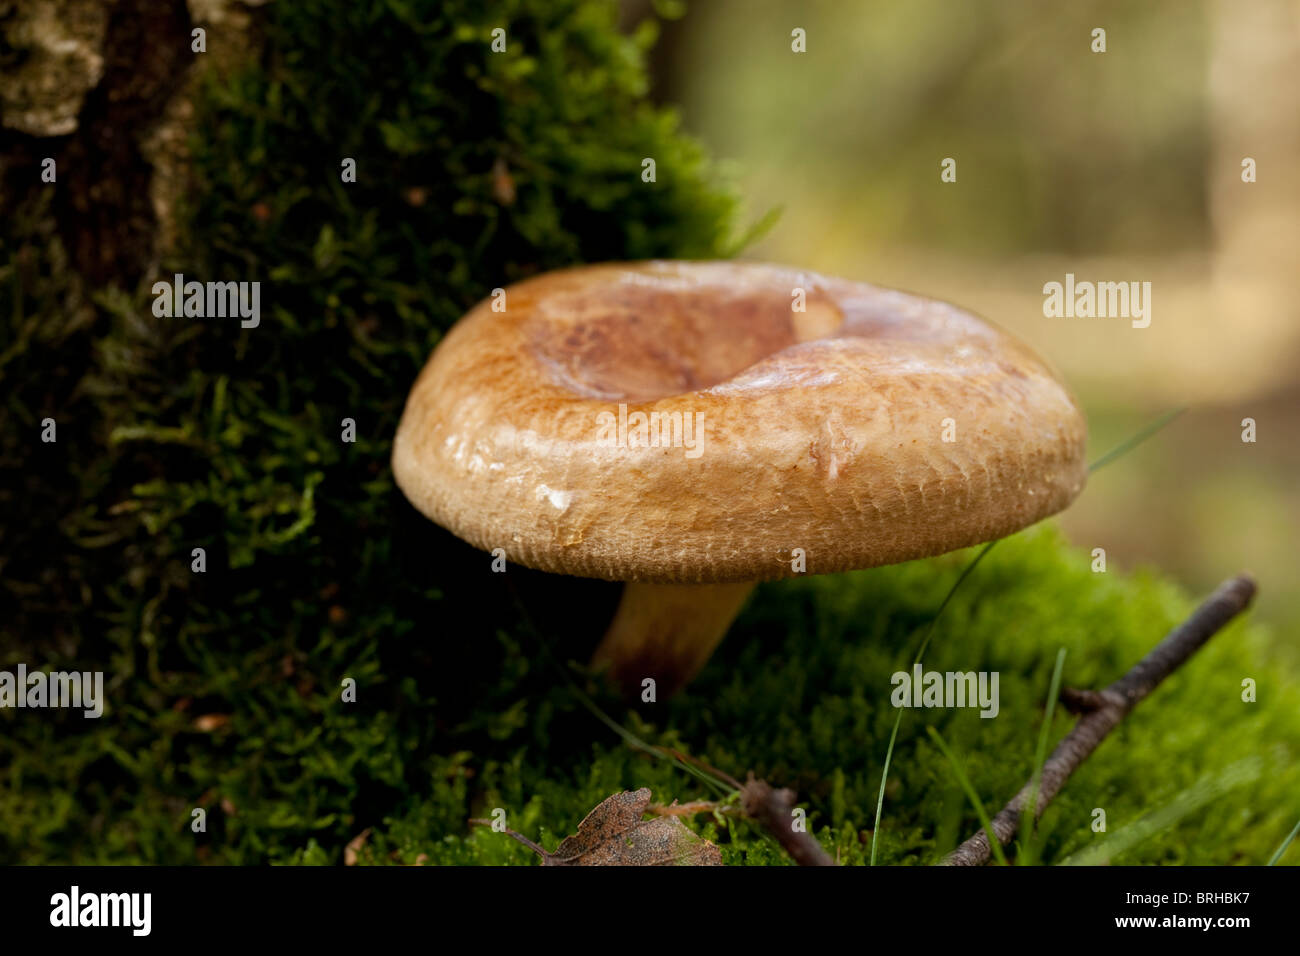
[(822, 430)]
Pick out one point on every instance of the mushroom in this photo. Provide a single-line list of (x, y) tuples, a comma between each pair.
[(692, 428)]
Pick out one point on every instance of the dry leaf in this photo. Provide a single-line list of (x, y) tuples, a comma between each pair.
[(614, 834), (354, 846)]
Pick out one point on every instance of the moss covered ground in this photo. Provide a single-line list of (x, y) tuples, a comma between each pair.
[(476, 169), (798, 694)]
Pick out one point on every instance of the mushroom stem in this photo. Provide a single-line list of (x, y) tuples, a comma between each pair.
[(666, 632)]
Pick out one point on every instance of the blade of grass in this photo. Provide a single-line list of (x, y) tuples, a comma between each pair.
[(893, 737), (1123, 448), (1027, 851), (1285, 843), (929, 633), (884, 777), (761, 227), (974, 797), (1203, 792)]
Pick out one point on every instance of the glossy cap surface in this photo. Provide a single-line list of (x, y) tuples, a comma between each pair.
[(684, 422)]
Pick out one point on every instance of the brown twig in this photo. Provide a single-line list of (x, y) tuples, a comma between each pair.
[(479, 822), (675, 809), (1078, 701), (1103, 710), (774, 810)]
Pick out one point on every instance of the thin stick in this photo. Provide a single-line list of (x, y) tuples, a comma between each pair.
[(1105, 709), (687, 809), (479, 822), (774, 810)]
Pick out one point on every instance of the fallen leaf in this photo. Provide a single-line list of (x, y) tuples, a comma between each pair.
[(614, 834), (354, 847)]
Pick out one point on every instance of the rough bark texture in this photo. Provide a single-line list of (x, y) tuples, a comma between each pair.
[(102, 88)]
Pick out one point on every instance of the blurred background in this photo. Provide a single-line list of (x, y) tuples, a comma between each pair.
[(1119, 166)]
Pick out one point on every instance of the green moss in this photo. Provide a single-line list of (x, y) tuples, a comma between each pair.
[(799, 693), (178, 434)]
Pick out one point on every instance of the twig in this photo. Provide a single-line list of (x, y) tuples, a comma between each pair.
[(479, 822), (1103, 710), (774, 810), (675, 809), (1081, 701)]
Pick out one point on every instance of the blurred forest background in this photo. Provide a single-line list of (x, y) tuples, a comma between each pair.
[(1117, 166)]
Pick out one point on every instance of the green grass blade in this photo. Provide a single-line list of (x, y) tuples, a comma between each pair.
[(1123, 448), (974, 797), (1203, 792), (884, 776), (920, 652), (1027, 854), (893, 737), (1285, 843)]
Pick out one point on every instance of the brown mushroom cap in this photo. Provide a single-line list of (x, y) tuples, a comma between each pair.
[(821, 430)]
